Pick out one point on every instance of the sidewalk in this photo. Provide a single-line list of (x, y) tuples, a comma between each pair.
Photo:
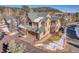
[(65, 50)]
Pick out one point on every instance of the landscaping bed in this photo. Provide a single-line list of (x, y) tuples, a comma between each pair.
[(53, 37)]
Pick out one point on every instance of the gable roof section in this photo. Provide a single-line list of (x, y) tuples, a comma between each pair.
[(37, 16)]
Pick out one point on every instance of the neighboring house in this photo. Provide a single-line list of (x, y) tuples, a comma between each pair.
[(10, 23), (55, 23), (23, 18), (68, 18)]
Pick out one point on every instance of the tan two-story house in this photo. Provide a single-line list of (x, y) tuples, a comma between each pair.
[(37, 25)]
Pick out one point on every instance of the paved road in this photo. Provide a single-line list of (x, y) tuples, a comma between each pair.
[(74, 48)]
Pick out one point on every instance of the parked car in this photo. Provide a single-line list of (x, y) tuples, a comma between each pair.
[(72, 32)]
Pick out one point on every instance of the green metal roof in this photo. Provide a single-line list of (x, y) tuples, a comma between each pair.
[(35, 15), (37, 30)]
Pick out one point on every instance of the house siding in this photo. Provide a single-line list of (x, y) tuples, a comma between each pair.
[(47, 29)]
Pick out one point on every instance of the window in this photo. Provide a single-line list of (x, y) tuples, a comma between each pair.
[(30, 23)]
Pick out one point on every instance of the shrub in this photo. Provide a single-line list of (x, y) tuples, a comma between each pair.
[(15, 47)]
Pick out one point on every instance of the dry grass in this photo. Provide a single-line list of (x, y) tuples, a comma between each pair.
[(53, 38)]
